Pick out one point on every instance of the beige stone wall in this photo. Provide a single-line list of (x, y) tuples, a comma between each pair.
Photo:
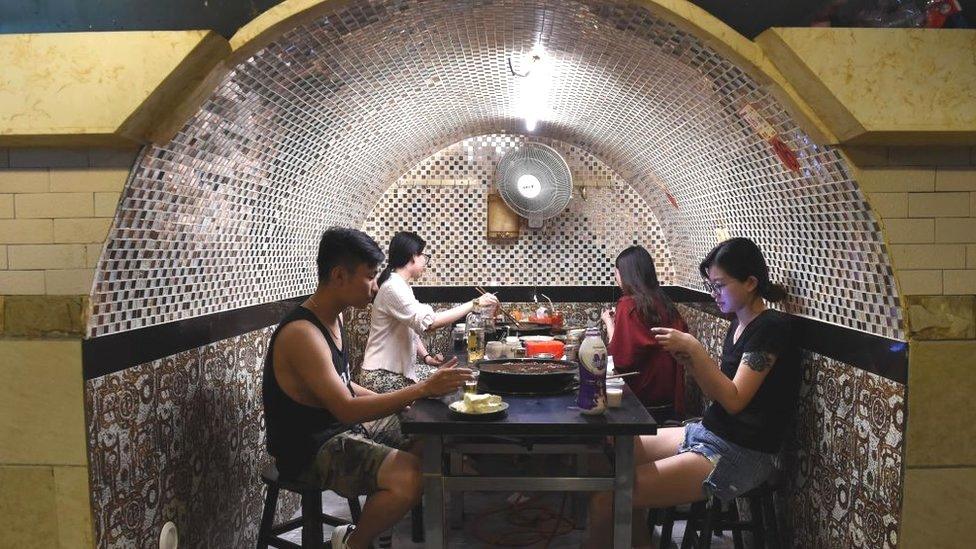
[(926, 198), (56, 206)]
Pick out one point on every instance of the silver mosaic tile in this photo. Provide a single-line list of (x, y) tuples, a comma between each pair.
[(313, 129), (443, 199)]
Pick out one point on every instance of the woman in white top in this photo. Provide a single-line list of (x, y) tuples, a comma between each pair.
[(398, 319)]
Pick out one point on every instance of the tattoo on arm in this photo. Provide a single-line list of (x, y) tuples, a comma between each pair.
[(758, 361)]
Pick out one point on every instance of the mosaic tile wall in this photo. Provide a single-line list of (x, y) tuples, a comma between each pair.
[(443, 199), (181, 439), (845, 462), (313, 129)]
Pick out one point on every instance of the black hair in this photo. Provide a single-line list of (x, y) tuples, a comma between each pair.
[(741, 258), (349, 248), (404, 246), (638, 279)]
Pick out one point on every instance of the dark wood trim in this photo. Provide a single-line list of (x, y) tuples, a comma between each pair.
[(116, 352), (879, 355)]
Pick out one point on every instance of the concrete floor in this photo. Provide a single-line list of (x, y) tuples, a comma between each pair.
[(486, 511)]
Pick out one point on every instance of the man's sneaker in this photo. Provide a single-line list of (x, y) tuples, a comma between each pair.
[(340, 535)]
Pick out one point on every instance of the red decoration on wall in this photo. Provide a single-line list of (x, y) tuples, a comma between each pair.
[(785, 154), (766, 131), (672, 200)]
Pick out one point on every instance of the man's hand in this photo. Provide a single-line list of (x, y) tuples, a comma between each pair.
[(446, 379)]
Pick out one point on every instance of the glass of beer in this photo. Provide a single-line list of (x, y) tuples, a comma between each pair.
[(471, 385)]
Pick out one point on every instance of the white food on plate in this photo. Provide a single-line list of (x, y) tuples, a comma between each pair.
[(480, 404)]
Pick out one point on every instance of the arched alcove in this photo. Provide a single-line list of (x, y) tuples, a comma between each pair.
[(313, 127)]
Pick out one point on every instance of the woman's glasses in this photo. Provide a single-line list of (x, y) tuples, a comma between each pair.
[(713, 288), (427, 257)]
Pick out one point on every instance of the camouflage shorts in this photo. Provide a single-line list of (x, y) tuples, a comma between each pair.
[(349, 463)]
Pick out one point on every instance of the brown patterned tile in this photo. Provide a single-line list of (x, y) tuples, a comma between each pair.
[(181, 439)]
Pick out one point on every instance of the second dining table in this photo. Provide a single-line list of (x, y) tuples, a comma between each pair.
[(533, 424)]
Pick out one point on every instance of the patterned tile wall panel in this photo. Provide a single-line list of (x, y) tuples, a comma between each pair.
[(443, 199), (181, 439), (845, 462), (312, 130)]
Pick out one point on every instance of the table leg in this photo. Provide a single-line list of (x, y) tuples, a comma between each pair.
[(457, 498), (433, 471), (623, 490), (581, 499)]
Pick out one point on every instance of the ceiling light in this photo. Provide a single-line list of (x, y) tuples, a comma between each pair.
[(535, 71)]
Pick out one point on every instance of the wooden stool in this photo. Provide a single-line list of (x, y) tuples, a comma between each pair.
[(704, 518), (311, 520)]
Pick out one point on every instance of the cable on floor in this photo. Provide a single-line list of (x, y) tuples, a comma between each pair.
[(533, 522)]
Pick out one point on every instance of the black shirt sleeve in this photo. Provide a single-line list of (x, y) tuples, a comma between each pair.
[(771, 336)]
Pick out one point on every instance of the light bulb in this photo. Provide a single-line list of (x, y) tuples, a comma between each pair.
[(529, 186)]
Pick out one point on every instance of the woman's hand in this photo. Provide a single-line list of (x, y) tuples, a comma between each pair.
[(607, 317), (434, 360), (681, 345), (488, 300), (449, 363)]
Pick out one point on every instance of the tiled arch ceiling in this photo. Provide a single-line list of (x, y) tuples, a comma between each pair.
[(311, 130)]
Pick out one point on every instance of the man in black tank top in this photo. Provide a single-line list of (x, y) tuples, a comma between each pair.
[(314, 412)]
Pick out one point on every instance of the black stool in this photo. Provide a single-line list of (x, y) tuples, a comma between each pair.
[(312, 517), (704, 518)]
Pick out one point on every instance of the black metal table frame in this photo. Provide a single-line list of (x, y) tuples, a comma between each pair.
[(438, 482)]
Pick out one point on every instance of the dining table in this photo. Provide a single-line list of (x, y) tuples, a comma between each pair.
[(533, 424)]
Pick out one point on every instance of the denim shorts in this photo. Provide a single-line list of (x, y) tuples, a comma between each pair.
[(737, 469)]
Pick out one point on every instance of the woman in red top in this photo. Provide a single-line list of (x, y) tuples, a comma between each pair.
[(660, 385)]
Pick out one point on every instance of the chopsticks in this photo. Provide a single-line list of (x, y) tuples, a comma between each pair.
[(615, 376), (502, 309)]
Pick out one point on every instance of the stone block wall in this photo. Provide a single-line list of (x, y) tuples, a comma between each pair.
[(56, 206), (926, 197)]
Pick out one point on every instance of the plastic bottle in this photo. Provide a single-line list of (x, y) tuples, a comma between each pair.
[(592, 398)]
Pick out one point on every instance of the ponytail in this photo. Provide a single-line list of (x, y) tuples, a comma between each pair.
[(772, 292), (404, 246), (384, 275)]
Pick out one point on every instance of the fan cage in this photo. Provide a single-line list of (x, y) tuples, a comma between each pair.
[(552, 171)]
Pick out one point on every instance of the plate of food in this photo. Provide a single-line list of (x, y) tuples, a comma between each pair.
[(479, 407)]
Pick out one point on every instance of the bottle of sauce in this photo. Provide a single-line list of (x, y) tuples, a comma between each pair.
[(592, 398), (475, 326)]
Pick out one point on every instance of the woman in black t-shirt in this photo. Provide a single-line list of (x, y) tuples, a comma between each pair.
[(753, 391)]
